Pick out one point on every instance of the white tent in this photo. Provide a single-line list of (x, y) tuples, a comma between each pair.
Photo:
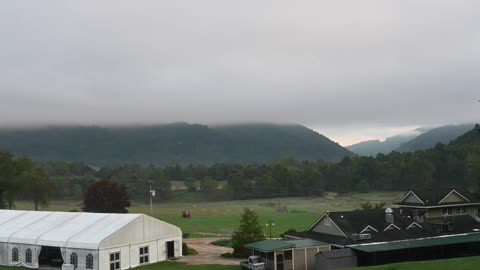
[(86, 240)]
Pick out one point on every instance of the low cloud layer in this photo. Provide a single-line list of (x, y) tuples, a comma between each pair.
[(339, 67)]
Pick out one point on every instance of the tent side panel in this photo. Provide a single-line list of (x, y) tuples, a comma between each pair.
[(104, 257), (3, 254), (135, 253), (82, 257)]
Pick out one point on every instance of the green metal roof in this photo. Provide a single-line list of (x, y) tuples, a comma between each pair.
[(437, 241), (269, 245), (303, 243), (272, 245)]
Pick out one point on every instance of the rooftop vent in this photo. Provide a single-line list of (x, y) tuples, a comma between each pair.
[(360, 236), (389, 215)]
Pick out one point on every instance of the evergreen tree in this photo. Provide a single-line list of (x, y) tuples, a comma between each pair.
[(249, 231)]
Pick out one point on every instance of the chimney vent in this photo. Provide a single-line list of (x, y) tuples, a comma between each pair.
[(389, 215)]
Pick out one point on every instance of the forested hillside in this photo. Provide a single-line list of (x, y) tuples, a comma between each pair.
[(444, 134), (456, 164), (470, 138), (373, 147), (173, 144)]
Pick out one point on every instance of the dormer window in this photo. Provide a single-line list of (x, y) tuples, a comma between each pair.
[(414, 225), (392, 227), (369, 229)]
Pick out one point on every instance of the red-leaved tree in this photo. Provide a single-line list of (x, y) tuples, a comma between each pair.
[(106, 197)]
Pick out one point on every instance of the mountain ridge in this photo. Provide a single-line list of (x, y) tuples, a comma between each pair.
[(176, 143)]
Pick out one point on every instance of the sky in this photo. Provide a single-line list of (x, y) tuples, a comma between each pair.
[(352, 70)]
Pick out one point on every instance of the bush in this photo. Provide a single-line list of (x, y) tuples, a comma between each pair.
[(221, 242)]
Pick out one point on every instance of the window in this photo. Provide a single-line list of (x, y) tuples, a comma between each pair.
[(89, 261), (15, 255), (74, 260), (115, 261), (28, 256), (288, 255), (143, 255)]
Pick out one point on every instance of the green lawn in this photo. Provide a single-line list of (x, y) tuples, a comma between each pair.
[(224, 217), (176, 265), (166, 266), (469, 263)]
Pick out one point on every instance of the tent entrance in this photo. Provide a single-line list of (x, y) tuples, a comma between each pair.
[(50, 258), (170, 249)]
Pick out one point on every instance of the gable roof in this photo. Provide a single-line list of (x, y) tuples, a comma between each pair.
[(436, 197), (462, 224), (353, 222), (61, 229)]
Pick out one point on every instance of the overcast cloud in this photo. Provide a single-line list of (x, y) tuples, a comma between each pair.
[(349, 69)]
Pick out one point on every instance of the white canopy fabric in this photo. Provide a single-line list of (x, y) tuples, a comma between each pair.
[(60, 229)]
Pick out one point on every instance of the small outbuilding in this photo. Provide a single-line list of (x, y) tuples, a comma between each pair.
[(288, 254), (85, 241)]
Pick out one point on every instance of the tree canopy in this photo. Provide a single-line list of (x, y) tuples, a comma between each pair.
[(249, 231), (106, 197)]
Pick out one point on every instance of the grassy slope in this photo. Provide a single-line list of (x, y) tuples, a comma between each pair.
[(224, 217), (452, 264)]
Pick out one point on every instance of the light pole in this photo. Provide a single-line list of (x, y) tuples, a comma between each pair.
[(151, 192), (270, 224)]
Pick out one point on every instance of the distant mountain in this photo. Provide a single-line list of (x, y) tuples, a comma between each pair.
[(373, 147), (471, 137), (173, 144), (430, 138)]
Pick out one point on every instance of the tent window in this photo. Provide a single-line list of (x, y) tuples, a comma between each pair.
[(74, 259), (28, 256), (89, 261), (115, 261), (15, 255), (144, 255)]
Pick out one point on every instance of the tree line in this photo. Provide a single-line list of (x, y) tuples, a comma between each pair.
[(441, 166)]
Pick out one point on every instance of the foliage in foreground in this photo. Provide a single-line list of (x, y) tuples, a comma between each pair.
[(469, 263)]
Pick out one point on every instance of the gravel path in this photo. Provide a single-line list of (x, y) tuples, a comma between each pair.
[(207, 253)]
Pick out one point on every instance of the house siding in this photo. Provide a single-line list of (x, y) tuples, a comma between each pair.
[(412, 199), (323, 227), (452, 198)]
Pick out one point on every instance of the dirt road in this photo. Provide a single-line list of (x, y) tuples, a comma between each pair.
[(207, 253)]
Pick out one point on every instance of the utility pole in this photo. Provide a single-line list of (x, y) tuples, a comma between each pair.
[(152, 194), (270, 224)]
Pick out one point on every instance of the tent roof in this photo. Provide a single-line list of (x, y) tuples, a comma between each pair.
[(61, 229)]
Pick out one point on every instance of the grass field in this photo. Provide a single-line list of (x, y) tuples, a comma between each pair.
[(224, 217), (166, 266), (470, 263)]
